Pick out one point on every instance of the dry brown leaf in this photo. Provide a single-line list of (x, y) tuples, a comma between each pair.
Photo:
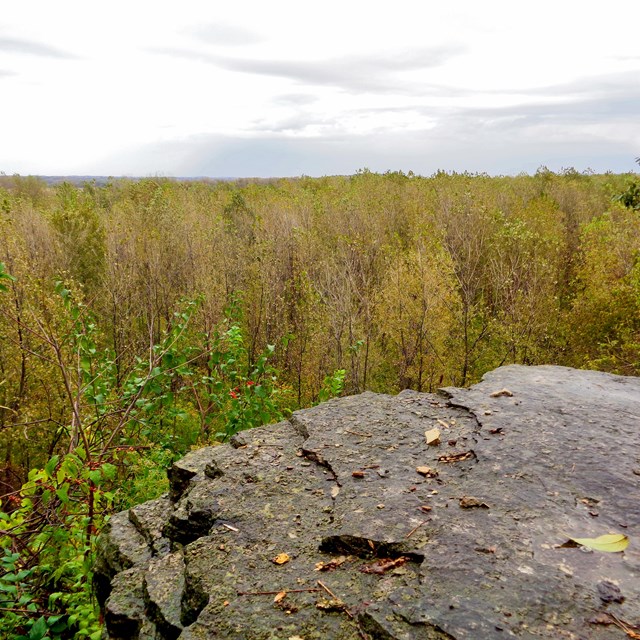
[(469, 502), (332, 564), (426, 508), (330, 605), (383, 565), (281, 558), (501, 392), (432, 436), (335, 491), (427, 472), (456, 457), (357, 474), (280, 596)]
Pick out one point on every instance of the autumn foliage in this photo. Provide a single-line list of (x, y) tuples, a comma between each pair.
[(143, 317)]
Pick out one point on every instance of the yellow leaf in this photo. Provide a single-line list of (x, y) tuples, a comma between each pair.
[(612, 542), (280, 596), (432, 436), (281, 558)]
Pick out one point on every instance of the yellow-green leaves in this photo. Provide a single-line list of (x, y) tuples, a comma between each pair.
[(611, 542), (6, 277)]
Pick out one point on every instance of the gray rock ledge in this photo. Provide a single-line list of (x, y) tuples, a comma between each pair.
[(321, 528)]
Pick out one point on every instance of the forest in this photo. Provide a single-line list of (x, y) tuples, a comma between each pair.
[(142, 318)]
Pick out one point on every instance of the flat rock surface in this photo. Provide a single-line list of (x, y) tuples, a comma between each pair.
[(345, 523)]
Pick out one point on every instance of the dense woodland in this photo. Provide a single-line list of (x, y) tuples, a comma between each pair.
[(141, 318)]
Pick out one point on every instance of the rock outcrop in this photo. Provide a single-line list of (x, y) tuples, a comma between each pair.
[(344, 523)]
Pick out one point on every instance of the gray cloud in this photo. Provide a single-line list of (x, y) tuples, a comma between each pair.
[(379, 72), (225, 34), (18, 45), (596, 100), (295, 99), (422, 152), (598, 85)]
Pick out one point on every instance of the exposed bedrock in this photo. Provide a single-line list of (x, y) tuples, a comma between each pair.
[(345, 523)]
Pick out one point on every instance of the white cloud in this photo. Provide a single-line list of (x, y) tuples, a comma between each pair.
[(251, 88)]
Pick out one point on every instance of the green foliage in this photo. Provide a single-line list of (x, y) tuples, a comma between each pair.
[(4, 276), (332, 385), (49, 529), (630, 197), (236, 394)]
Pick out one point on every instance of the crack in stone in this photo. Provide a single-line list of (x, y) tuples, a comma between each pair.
[(367, 548)]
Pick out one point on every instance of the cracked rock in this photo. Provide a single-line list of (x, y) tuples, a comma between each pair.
[(367, 546)]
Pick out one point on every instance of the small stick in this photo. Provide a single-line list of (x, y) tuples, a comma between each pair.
[(628, 629), (415, 528), (333, 595), (275, 593)]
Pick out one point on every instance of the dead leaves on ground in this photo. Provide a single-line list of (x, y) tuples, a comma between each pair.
[(427, 472), (606, 619), (332, 564), (433, 437), (500, 393), (381, 566), (456, 457), (281, 558), (469, 502)]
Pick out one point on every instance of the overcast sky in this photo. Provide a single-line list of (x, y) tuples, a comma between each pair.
[(280, 88)]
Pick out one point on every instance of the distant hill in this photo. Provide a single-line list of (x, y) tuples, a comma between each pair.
[(103, 180)]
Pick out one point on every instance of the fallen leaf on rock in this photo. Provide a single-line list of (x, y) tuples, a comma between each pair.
[(443, 423), (456, 457), (602, 618), (426, 508), (335, 491), (330, 605), (281, 558), (383, 565), (485, 549), (497, 430), (469, 502), (357, 474), (610, 592), (280, 596), (427, 472), (606, 619), (610, 542), (501, 392), (332, 564), (432, 436)]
